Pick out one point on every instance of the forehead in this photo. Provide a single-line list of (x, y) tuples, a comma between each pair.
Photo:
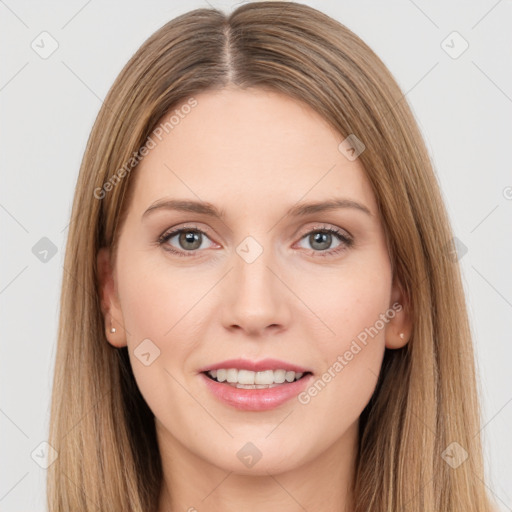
[(246, 148)]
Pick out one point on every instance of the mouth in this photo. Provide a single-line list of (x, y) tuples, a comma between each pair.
[(250, 385), (247, 379)]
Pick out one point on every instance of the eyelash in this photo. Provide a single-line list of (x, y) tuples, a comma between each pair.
[(346, 242)]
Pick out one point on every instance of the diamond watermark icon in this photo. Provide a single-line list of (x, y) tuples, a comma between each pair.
[(454, 455), (44, 250), (454, 45), (455, 249), (249, 249), (351, 147), (249, 454), (44, 45), (146, 352), (44, 455)]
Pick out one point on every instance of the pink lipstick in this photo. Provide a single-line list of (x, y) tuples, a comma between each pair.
[(255, 385)]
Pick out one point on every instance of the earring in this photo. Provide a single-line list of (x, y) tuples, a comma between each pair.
[(112, 329), (402, 335)]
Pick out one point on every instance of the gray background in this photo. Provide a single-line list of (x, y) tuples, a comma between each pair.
[(463, 106)]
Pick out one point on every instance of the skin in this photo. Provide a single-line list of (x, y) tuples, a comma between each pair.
[(253, 153)]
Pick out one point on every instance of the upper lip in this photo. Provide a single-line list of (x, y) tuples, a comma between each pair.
[(256, 366)]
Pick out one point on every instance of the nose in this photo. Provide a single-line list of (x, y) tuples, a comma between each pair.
[(255, 296)]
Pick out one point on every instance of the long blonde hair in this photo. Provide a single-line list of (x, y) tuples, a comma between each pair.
[(426, 396)]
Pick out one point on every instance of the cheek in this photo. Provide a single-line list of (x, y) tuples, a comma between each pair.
[(349, 300), (355, 307), (160, 320), (157, 302)]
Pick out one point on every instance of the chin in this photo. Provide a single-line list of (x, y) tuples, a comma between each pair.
[(258, 457)]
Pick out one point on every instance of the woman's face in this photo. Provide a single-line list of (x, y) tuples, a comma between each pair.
[(262, 281)]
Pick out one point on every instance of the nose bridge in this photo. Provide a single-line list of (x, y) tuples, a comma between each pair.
[(252, 274), (256, 298)]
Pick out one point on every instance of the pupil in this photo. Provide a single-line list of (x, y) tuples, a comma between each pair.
[(189, 237), (324, 238)]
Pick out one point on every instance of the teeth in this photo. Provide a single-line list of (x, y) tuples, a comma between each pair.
[(247, 379), (279, 376), (232, 375), (266, 377)]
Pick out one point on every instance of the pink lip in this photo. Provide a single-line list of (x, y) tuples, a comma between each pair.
[(256, 366), (256, 399)]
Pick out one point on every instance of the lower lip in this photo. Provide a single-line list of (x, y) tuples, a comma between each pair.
[(256, 399)]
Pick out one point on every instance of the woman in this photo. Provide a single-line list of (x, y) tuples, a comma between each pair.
[(260, 307)]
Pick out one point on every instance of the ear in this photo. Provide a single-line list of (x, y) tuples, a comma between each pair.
[(401, 323), (110, 305)]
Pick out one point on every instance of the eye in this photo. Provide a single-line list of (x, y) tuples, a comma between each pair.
[(320, 239), (189, 239)]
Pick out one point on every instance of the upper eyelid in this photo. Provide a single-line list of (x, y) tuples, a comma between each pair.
[(175, 231)]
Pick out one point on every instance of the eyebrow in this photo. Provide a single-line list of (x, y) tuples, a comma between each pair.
[(297, 210)]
